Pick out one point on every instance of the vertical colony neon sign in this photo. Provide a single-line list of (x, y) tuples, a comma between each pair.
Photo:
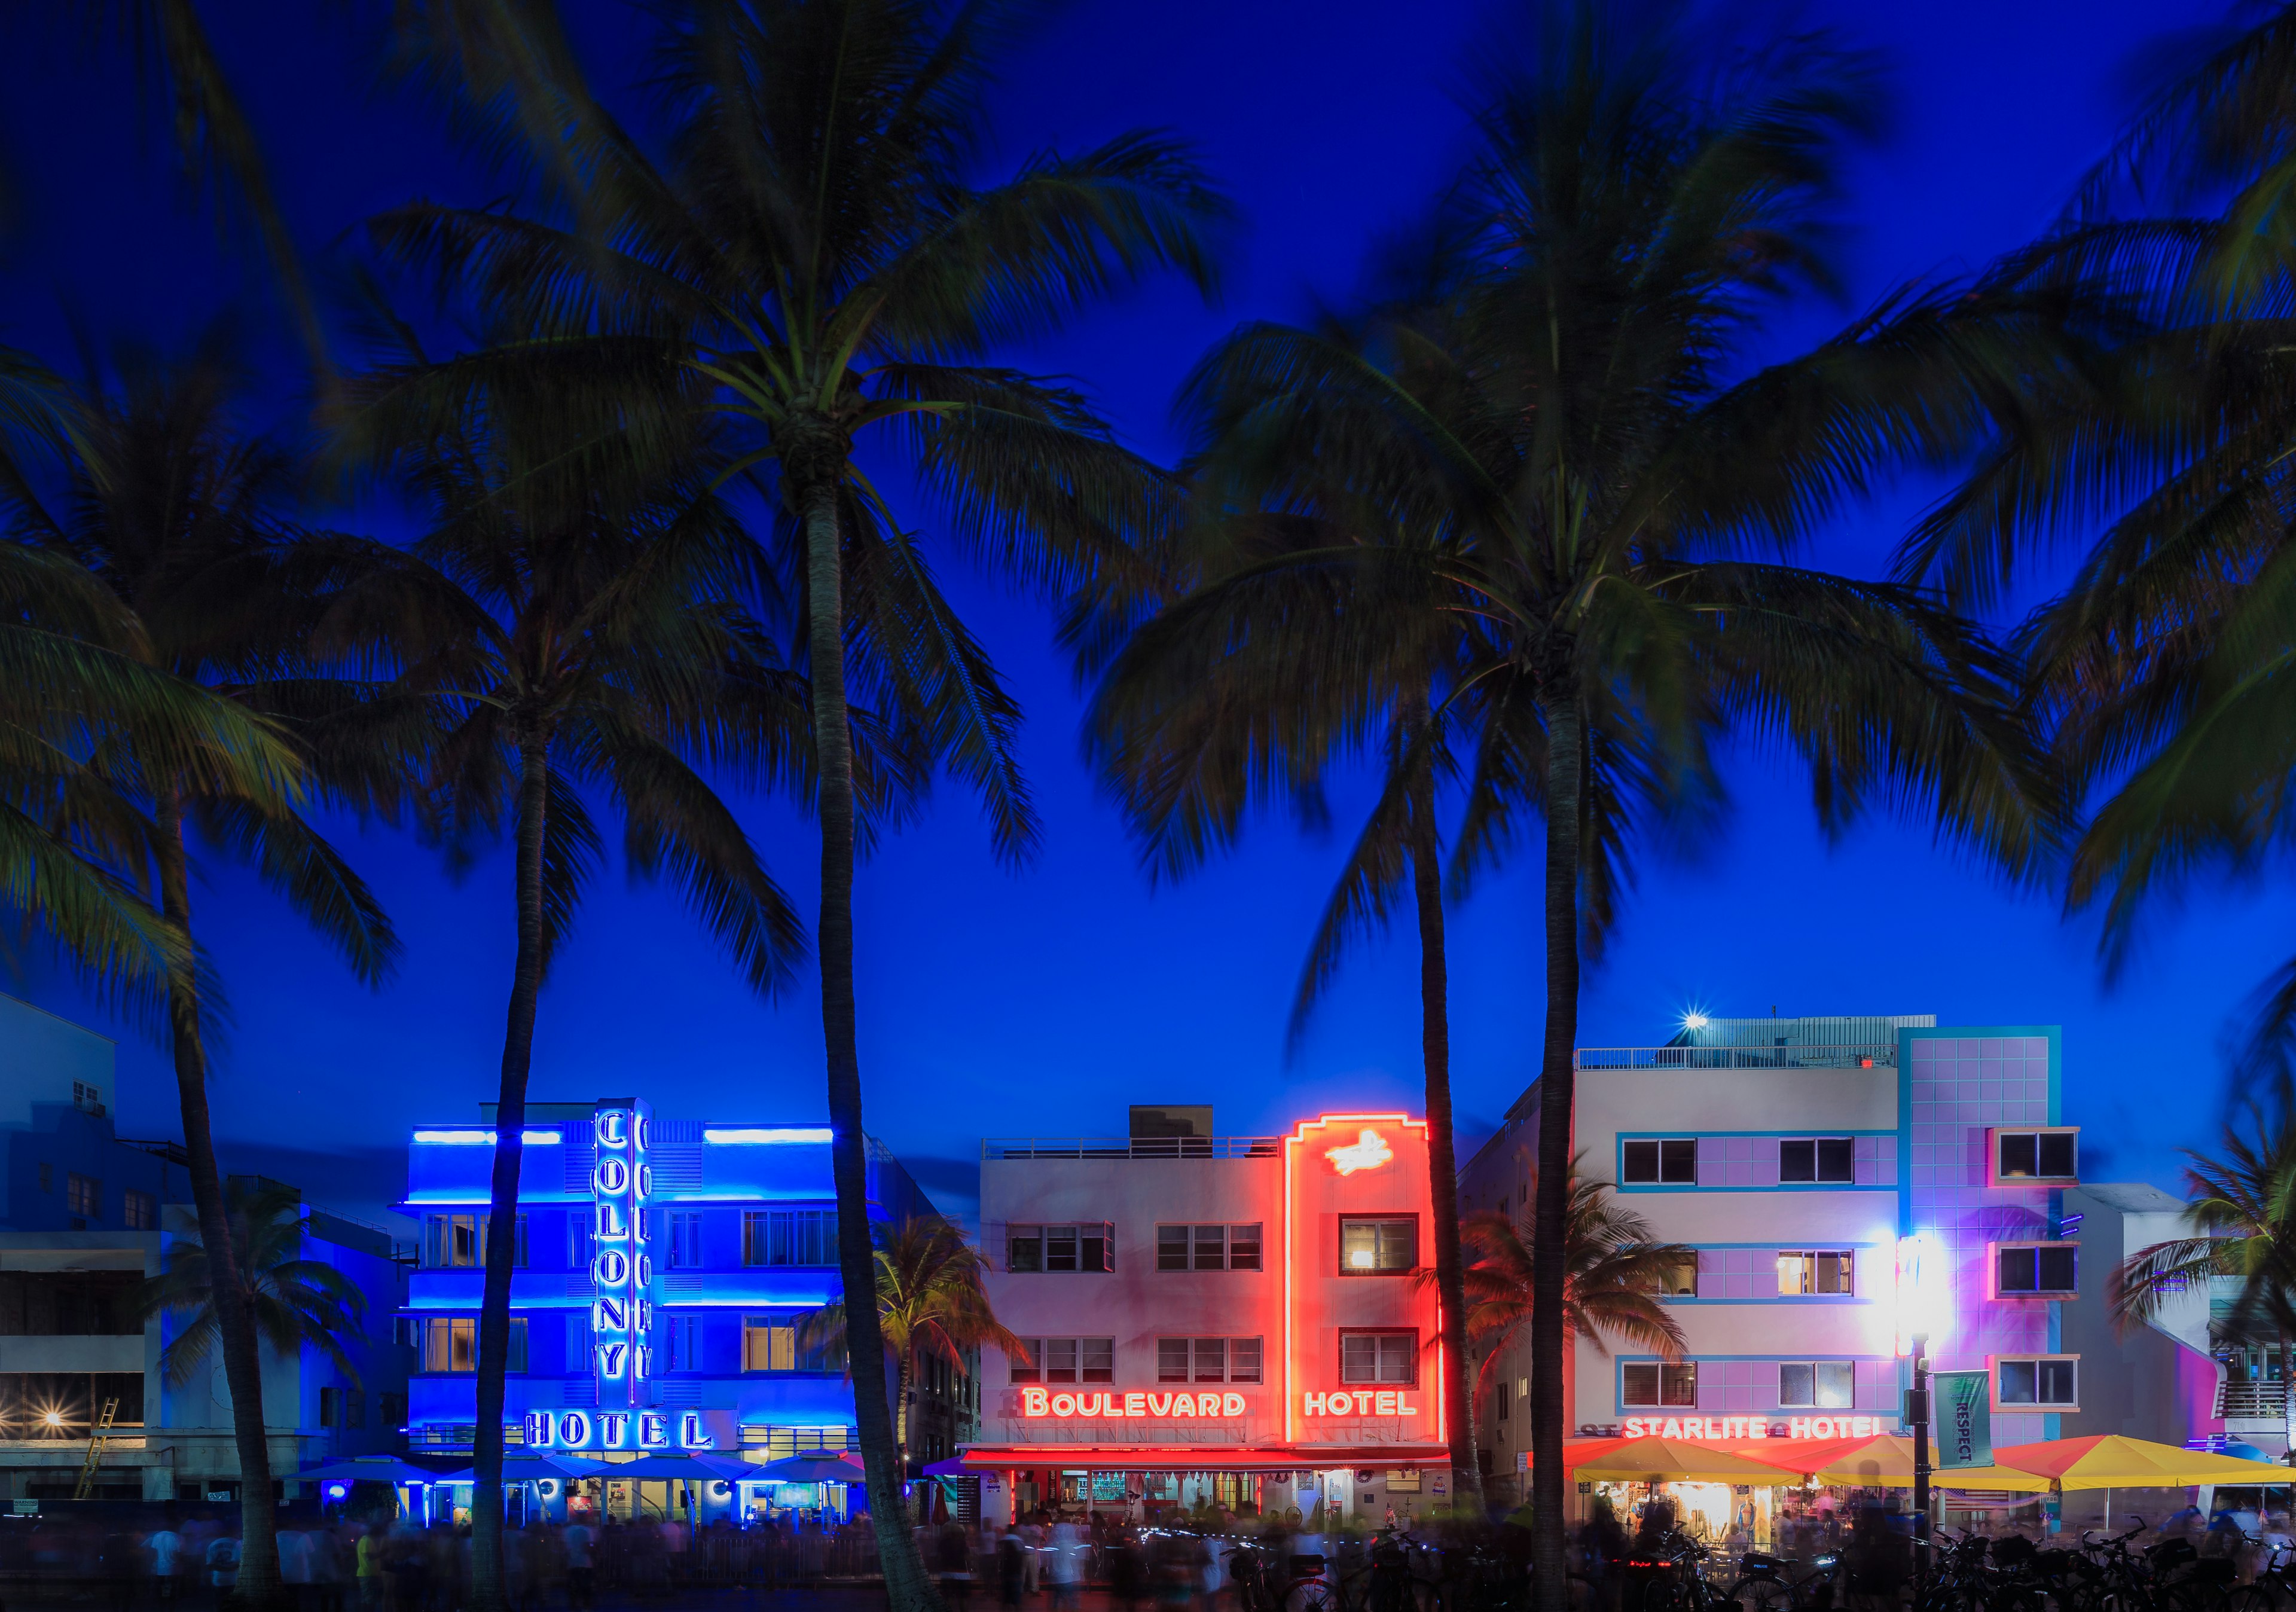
[(622, 1266)]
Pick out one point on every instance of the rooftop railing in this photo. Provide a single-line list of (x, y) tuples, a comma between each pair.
[(1129, 1147), (1868, 1055)]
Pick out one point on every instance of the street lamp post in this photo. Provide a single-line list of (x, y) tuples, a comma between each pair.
[(1917, 1414)]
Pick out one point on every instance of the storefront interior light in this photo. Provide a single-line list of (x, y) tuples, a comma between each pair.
[(485, 1139), (766, 1135)]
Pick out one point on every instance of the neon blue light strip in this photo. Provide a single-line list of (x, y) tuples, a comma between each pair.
[(767, 1134), (485, 1139)]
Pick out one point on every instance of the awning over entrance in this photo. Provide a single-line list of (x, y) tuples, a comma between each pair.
[(1200, 1458)]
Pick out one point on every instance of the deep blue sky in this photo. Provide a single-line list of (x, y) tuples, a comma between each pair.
[(1044, 1001)]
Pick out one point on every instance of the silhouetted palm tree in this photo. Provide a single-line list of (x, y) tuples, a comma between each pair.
[(568, 626), (1539, 445), (813, 244), (176, 510), (295, 1303)]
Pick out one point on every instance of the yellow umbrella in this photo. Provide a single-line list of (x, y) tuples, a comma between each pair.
[(1886, 1461), (1658, 1460), (2109, 1460)]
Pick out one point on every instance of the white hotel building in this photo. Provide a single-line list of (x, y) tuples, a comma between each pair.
[(1799, 1157)]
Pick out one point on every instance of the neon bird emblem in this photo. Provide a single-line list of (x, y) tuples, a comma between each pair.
[(1367, 1151)]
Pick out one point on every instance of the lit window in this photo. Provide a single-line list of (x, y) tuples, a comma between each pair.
[(1379, 1357), (1805, 1271), (1680, 1278), (2049, 1382), (1817, 1158), (1672, 1161), (1824, 1384), (451, 1344), (1653, 1382), (2046, 1268), (1372, 1246)]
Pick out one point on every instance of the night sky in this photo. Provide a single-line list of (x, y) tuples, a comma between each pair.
[(1042, 1002)]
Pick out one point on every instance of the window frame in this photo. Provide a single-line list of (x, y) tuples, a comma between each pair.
[(1816, 1402), (1818, 1177), (82, 1195), (1690, 1264), (1376, 1271), (1664, 1374), (1996, 1271), (1996, 1176), (1381, 1336), (1178, 1249), (139, 1211), (1658, 1145), (1994, 1363), (1811, 1266), (682, 1239)]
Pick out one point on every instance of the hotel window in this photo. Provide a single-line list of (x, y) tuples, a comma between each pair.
[(1089, 1247), (685, 1239), (1680, 1278), (1027, 1364), (577, 1239), (1803, 1271), (1502, 1401), (577, 1341), (1823, 1385), (1211, 1359), (1172, 1355), (140, 1211), (451, 1344), (82, 1196), (1379, 1357), (1819, 1158), (2048, 1268), (454, 1241), (768, 1344), (2022, 1156), (1653, 1382), (1669, 1162), (1369, 1248), (1222, 1248), (682, 1340), (1067, 1360), (2049, 1383), (789, 1237)]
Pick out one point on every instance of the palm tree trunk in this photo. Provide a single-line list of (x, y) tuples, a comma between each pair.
[(901, 1418), (1442, 1164), (242, 1354), (1551, 1211), (502, 1190), (817, 467)]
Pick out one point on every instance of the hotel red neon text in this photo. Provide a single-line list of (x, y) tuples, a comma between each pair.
[(1755, 1427), (1112, 1404)]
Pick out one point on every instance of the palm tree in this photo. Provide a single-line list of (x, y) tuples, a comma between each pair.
[(2162, 668), (929, 1303), (1614, 1273), (295, 1303), (814, 246), (1540, 448), (2241, 1207), (567, 627), (1279, 667), (176, 512)]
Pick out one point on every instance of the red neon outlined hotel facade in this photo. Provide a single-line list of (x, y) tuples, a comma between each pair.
[(1240, 1319)]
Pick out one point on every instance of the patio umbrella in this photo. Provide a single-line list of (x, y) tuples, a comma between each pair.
[(656, 1469), (2111, 1460), (815, 1467), (1883, 1461), (1674, 1461)]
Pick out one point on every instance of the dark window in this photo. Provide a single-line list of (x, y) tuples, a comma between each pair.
[(1243, 1359), (1212, 1360), (139, 1211), (1098, 1355), (82, 1196), (1171, 1247), (1024, 1364), (1375, 1247), (1089, 1247), (1200, 1248), (1502, 1401), (1243, 1248), (1656, 1383), (69, 1304), (2038, 1382), (1817, 1158), (2032, 1155), (1673, 1161), (1171, 1360), (789, 1237), (1024, 1247), (2053, 1269), (1379, 1357)]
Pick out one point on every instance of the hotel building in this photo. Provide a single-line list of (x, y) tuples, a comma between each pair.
[(1819, 1169), (1234, 1320), (666, 1269)]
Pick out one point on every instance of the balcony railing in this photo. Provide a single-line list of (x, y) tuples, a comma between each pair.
[(2251, 1401), (1130, 1146), (1868, 1055)]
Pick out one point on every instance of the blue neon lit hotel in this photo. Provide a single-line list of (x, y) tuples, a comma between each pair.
[(664, 1269)]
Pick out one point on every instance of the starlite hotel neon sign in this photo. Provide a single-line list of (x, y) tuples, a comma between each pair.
[(622, 1307)]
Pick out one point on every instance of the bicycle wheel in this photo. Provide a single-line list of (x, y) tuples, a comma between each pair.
[(1758, 1595), (1311, 1595)]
